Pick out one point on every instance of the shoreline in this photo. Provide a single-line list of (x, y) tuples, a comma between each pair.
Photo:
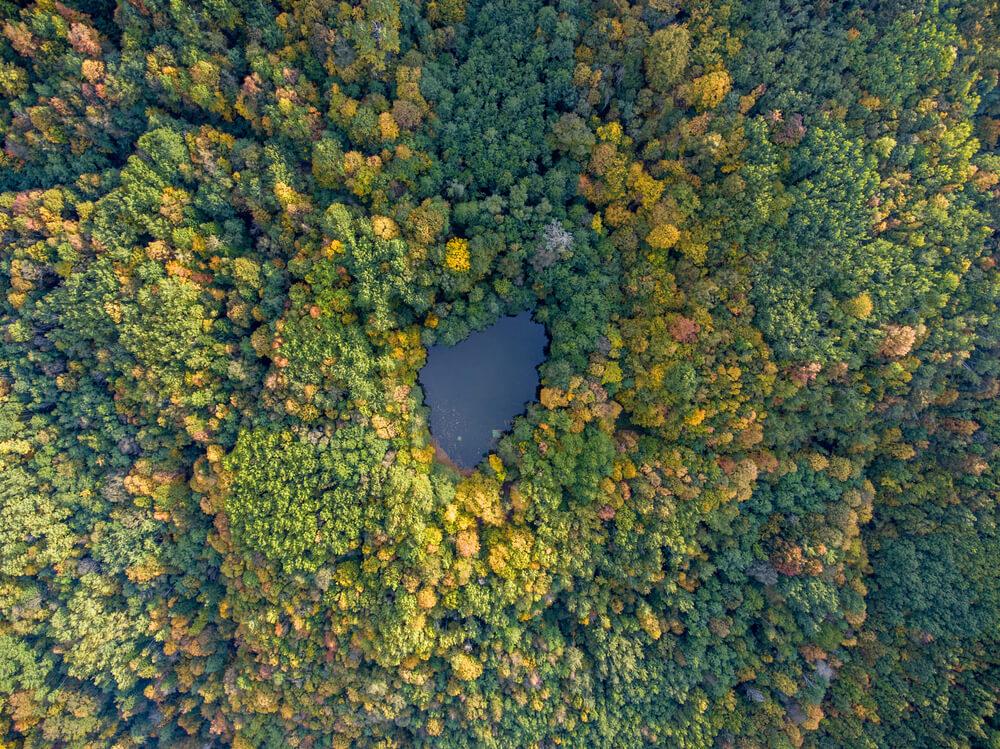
[(444, 459)]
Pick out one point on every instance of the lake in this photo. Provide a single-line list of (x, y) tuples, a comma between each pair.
[(475, 388)]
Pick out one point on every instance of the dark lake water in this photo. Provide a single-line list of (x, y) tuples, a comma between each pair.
[(475, 388)]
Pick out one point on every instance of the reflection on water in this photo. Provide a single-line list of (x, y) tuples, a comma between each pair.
[(476, 388)]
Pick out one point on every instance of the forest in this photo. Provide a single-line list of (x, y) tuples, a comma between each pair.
[(754, 503)]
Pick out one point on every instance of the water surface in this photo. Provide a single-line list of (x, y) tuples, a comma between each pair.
[(475, 388)]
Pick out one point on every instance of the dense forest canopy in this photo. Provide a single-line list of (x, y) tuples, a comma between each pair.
[(755, 502)]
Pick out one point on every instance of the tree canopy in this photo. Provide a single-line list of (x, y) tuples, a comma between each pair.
[(755, 502)]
